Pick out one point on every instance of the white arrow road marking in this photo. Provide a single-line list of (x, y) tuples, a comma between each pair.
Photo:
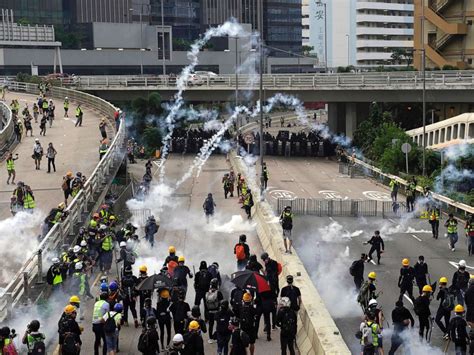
[(373, 262), (456, 265), (414, 236)]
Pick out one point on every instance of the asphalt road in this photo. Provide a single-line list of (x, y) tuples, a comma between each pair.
[(183, 225), (328, 245)]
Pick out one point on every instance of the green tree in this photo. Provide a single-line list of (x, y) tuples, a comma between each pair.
[(307, 49)]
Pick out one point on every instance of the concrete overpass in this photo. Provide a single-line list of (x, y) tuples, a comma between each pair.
[(348, 95), (456, 130)]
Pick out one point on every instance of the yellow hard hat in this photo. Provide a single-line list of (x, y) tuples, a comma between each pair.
[(112, 218), (193, 325), (181, 259), (405, 262), (247, 297), (74, 299), (171, 249), (143, 268), (62, 205), (93, 223), (69, 309), (372, 275), (459, 309), (443, 280), (69, 174), (427, 288), (165, 293), (471, 276)]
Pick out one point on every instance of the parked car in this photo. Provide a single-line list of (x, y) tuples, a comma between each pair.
[(194, 80)]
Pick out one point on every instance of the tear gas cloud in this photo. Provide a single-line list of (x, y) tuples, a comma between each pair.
[(452, 176)]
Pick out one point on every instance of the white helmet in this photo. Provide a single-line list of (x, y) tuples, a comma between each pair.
[(83, 243), (66, 98), (285, 302), (76, 249), (462, 263), (55, 261), (123, 244), (103, 227), (78, 265), (373, 302), (178, 338)]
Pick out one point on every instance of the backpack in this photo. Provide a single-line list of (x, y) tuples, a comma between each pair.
[(288, 324), (367, 337), (245, 339), (364, 289), (130, 257), (352, 269), (171, 266), (212, 300), (247, 319), (449, 301), (417, 306), (240, 252), (143, 342), (38, 346), (65, 185), (69, 344), (110, 326), (455, 334), (9, 349), (279, 269)]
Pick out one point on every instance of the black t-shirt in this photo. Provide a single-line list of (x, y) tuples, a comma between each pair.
[(293, 293), (237, 345)]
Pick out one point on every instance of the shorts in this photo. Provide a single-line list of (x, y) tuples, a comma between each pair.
[(252, 333), (287, 234), (111, 341)]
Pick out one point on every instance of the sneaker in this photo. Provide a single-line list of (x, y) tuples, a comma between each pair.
[(453, 249)]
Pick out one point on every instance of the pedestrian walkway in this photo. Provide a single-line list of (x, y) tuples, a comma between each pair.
[(194, 239), (77, 149)]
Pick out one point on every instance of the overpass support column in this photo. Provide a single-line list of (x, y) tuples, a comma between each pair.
[(336, 112), (351, 119)]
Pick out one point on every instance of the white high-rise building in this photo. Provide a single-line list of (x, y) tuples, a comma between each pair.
[(305, 12), (381, 27)]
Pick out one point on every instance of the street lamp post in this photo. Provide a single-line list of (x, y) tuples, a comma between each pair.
[(262, 182), (320, 3), (141, 33), (236, 73), (163, 36), (423, 67), (348, 51)]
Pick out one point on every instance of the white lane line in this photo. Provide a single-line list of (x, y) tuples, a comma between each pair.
[(414, 236), (408, 298), (373, 262), (391, 220)]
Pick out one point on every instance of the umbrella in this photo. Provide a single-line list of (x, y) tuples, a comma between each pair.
[(155, 281), (250, 280)]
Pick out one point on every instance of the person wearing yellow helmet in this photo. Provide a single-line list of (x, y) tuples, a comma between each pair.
[(457, 331), (193, 342), (180, 274), (367, 291), (446, 305), (69, 331), (172, 255), (422, 310), (164, 316), (405, 280), (143, 294), (247, 315)]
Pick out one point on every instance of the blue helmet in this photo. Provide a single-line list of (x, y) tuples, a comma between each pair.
[(118, 307), (113, 286), (104, 287)]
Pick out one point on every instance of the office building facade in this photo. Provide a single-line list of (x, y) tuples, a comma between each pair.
[(381, 27), (446, 33)]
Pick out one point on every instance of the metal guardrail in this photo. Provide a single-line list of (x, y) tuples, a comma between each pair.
[(7, 132), (375, 80), (444, 202), (32, 269), (341, 208)]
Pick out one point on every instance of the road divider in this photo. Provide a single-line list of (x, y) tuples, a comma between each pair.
[(317, 331)]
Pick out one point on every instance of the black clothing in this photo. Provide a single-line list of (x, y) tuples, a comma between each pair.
[(254, 266), (238, 347), (153, 346), (377, 242), (405, 282), (422, 306), (469, 301), (193, 344), (399, 315), (460, 280), (180, 311), (457, 331), (271, 269), (293, 293), (181, 272), (421, 270)]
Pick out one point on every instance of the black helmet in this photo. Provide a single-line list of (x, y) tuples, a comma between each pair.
[(128, 270), (34, 325), (242, 238), (264, 256), (196, 312), (151, 321), (214, 283), (253, 257), (289, 279), (203, 265)]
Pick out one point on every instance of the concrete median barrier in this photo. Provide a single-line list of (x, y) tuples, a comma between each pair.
[(317, 331)]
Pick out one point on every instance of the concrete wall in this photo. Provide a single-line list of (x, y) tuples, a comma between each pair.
[(317, 332)]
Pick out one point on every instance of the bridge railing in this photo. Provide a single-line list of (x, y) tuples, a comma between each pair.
[(6, 128), (32, 269), (386, 80)]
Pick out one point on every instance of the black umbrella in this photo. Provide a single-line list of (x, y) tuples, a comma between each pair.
[(250, 280), (155, 281)]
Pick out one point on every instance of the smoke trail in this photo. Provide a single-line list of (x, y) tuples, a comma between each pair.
[(229, 28)]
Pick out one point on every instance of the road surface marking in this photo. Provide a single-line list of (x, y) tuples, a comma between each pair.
[(284, 194), (332, 195), (408, 298), (373, 262), (456, 265), (377, 195), (414, 236)]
